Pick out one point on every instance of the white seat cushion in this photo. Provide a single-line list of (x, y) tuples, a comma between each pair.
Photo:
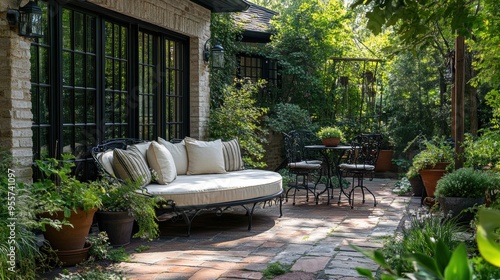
[(357, 167), (305, 164), (206, 189)]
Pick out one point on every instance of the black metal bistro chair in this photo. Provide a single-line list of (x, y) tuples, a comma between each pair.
[(359, 162), (300, 163)]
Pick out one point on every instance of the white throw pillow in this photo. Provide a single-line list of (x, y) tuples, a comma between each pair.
[(131, 166), (140, 148), (178, 152), (204, 157), (106, 161), (232, 155), (161, 161)]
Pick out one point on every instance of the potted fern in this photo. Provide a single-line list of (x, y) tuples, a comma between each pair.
[(122, 203), (330, 136), (65, 206)]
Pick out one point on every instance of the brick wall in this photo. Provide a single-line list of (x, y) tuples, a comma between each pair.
[(15, 99)]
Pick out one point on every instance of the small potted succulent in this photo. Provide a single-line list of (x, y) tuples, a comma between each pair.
[(464, 188), (330, 136)]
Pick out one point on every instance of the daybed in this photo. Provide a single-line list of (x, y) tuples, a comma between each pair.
[(190, 175)]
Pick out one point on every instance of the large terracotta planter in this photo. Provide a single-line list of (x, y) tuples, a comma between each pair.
[(69, 238), (330, 142), (73, 257), (384, 161), (455, 205), (118, 226), (430, 178)]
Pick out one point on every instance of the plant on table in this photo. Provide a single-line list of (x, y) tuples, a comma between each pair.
[(329, 132)]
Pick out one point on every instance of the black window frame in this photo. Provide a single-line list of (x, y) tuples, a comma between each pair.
[(54, 44)]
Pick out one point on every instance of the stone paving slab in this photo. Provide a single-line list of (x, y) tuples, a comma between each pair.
[(312, 239)]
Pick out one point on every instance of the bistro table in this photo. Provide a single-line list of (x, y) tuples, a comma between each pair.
[(332, 156)]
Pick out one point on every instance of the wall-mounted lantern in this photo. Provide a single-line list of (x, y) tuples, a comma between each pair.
[(215, 53), (28, 19)]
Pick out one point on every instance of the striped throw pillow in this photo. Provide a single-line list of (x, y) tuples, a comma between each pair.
[(232, 155), (131, 166)]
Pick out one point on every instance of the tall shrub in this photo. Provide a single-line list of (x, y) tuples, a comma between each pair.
[(238, 117)]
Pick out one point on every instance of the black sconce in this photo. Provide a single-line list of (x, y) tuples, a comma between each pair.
[(28, 19), (215, 53)]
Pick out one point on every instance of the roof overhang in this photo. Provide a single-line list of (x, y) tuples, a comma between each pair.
[(223, 6)]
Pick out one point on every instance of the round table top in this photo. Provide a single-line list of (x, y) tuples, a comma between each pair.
[(339, 147)]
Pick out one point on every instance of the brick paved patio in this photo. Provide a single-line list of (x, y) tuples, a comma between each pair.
[(312, 238)]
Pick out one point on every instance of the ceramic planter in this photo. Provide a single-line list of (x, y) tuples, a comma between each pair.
[(73, 257), (455, 206), (69, 238), (118, 226), (417, 186), (430, 178), (384, 161), (330, 142)]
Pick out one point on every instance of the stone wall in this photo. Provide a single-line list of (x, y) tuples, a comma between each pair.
[(15, 99)]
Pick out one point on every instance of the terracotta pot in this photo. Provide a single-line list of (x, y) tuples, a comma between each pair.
[(330, 142), (455, 206), (430, 178), (73, 257), (118, 226), (69, 238), (384, 161), (441, 165)]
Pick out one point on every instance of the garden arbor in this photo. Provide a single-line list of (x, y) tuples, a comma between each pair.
[(352, 86)]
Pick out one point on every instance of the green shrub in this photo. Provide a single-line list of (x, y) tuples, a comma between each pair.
[(238, 117), (465, 182), (414, 238), (483, 151), (285, 117), (275, 269)]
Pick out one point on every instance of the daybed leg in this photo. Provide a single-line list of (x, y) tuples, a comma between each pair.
[(188, 222), (250, 214), (281, 204)]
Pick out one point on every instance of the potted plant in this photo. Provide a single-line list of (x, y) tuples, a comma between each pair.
[(462, 189), (432, 163), (384, 159), (65, 204), (415, 181), (122, 203), (330, 136)]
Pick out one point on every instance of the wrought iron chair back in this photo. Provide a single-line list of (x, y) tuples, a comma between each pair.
[(365, 149), (300, 163), (360, 161), (295, 141)]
